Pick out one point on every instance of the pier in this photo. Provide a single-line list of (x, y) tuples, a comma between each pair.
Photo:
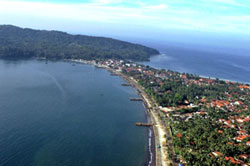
[(125, 84), (136, 99), (144, 124)]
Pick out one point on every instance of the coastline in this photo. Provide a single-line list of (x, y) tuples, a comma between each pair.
[(159, 155), (151, 140), (134, 74)]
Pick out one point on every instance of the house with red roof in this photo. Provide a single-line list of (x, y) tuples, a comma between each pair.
[(217, 154), (228, 122), (234, 161), (243, 156)]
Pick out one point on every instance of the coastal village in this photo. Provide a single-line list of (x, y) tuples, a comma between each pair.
[(207, 121)]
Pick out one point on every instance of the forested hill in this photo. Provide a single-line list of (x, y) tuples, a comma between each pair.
[(25, 43)]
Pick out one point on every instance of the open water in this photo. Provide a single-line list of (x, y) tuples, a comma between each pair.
[(57, 114)]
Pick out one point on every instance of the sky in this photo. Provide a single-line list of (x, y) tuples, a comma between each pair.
[(132, 18)]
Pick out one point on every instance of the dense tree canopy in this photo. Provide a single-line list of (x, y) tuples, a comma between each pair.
[(18, 42)]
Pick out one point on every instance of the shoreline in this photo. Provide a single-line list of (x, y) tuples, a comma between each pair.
[(151, 148), (202, 76), (158, 138), (159, 154)]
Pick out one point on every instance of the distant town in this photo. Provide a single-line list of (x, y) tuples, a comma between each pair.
[(207, 121)]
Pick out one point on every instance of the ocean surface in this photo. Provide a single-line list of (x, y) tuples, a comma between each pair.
[(57, 114), (227, 66)]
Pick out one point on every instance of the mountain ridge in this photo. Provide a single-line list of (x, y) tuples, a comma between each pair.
[(25, 42)]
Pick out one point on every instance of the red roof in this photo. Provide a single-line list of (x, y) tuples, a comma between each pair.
[(228, 122), (244, 156), (203, 100), (217, 154), (234, 161), (179, 135), (247, 119), (242, 137), (220, 131), (244, 87)]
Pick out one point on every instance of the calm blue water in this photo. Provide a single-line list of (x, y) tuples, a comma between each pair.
[(57, 114), (209, 64)]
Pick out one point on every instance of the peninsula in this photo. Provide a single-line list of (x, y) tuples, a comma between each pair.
[(17, 42)]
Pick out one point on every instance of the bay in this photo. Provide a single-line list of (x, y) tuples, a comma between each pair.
[(58, 114)]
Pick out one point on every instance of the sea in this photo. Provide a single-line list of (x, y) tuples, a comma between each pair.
[(214, 64), (64, 114)]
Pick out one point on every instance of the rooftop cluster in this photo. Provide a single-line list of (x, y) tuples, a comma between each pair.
[(209, 118)]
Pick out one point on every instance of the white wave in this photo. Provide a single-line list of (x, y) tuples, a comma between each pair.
[(150, 148), (54, 81)]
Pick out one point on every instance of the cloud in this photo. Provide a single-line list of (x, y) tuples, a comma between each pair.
[(105, 2), (231, 2), (148, 14), (156, 7)]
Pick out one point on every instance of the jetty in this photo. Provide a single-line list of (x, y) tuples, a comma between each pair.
[(144, 124), (136, 99), (113, 74), (125, 84)]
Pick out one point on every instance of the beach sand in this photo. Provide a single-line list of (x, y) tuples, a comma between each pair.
[(161, 154)]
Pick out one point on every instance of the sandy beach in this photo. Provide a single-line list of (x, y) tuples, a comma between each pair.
[(161, 154)]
